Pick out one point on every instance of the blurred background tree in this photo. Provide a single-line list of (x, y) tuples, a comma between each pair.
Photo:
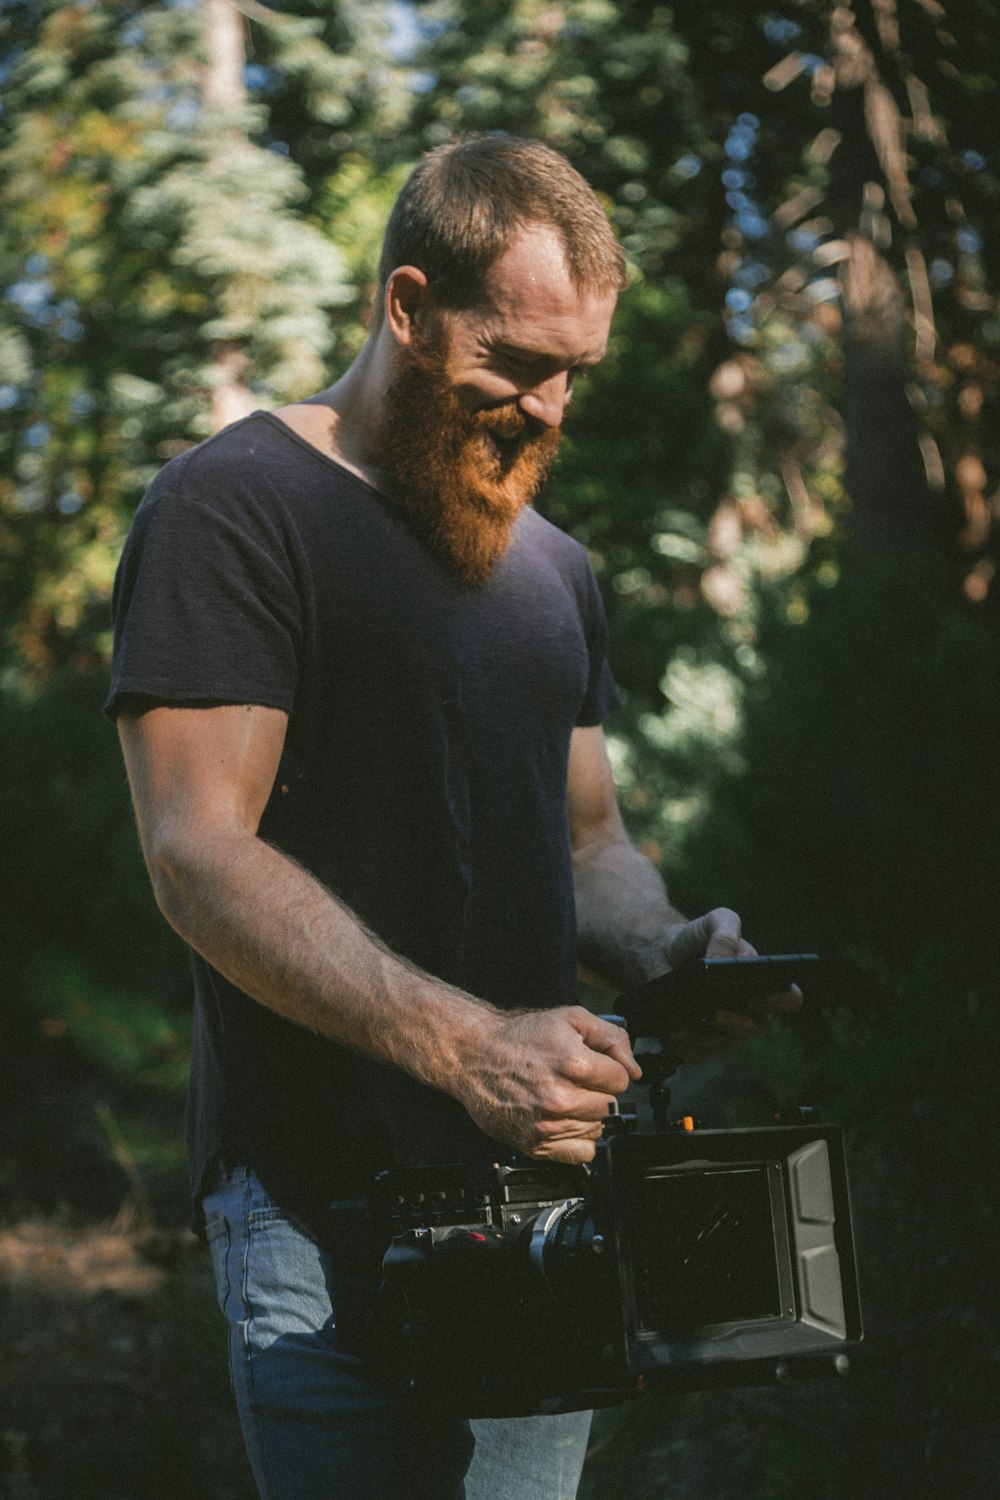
[(795, 527)]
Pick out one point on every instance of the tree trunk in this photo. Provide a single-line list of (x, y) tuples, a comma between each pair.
[(885, 471), (225, 44), (224, 91), (888, 473)]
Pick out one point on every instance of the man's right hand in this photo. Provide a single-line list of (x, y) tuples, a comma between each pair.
[(543, 1081)]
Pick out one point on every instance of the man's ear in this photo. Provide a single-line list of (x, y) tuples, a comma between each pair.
[(406, 294)]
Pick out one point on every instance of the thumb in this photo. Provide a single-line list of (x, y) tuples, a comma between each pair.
[(715, 935)]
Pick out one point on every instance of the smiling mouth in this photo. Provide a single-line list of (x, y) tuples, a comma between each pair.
[(505, 450)]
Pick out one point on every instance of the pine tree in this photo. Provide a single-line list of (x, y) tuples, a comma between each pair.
[(164, 270)]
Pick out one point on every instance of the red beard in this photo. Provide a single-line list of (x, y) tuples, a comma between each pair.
[(460, 478)]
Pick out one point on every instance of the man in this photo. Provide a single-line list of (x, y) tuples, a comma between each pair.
[(359, 685)]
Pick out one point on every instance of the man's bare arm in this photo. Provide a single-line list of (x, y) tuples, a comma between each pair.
[(200, 779), (628, 929)]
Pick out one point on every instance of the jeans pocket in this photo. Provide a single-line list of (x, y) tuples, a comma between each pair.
[(217, 1225), (217, 1233)]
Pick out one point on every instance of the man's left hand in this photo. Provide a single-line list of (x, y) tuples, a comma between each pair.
[(718, 934)]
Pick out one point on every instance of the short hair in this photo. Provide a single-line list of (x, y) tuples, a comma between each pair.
[(464, 202)]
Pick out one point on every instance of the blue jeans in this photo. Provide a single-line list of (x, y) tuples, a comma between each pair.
[(314, 1428)]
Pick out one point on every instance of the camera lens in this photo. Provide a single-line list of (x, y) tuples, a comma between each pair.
[(569, 1252)]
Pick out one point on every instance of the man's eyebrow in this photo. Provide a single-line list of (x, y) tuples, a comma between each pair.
[(528, 354), (520, 351)]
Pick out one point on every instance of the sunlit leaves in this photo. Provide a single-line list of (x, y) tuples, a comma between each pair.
[(144, 232)]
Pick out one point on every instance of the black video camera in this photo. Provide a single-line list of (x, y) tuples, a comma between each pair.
[(680, 1259)]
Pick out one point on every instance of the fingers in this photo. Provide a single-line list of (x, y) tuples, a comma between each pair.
[(735, 1026), (606, 1039), (562, 1128), (544, 1081), (783, 1003), (718, 934), (572, 1151), (729, 1028), (570, 1141)]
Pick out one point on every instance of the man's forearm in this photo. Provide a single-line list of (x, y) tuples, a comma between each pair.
[(274, 931), (539, 1081), (623, 913)]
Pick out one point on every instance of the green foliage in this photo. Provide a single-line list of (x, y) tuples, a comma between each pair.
[(157, 247), (73, 879), (252, 276), (125, 1034), (354, 205), (866, 808), (97, 1010)]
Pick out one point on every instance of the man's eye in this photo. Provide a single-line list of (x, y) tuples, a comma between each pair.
[(522, 365)]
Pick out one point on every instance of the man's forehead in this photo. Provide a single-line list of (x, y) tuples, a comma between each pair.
[(534, 268), (530, 298)]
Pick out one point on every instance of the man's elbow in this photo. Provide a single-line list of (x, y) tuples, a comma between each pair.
[(596, 842), (176, 866)]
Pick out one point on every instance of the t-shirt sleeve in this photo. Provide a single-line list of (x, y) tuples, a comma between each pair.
[(204, 606), (601, 698)]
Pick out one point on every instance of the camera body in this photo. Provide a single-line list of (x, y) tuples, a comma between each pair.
[(681, 1259)]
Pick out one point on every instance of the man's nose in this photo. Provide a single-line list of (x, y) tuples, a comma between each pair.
[(546, 402)]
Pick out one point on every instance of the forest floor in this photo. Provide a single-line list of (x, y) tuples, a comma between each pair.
[(112, 1380)]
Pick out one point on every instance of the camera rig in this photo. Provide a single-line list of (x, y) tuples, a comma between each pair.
[(681, 1258)]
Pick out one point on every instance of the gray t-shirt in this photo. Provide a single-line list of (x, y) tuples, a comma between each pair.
[(423, 778)]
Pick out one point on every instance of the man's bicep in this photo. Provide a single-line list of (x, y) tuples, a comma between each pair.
[(195, 768), (593, 805)]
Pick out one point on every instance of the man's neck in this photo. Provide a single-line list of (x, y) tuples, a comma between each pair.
[(344, 422)]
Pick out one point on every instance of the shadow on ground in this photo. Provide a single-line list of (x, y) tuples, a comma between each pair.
[(113, 1383)]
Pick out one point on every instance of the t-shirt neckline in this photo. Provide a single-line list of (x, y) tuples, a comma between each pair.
[(324, 458)]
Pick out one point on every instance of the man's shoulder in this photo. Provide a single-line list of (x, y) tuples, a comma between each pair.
[(255, 464), (238, 449), (544, 538), (192, 465)]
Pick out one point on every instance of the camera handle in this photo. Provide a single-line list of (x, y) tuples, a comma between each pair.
[(688, 996), (657, 1067)]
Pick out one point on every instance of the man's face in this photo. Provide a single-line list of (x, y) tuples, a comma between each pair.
[(477, 398)]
